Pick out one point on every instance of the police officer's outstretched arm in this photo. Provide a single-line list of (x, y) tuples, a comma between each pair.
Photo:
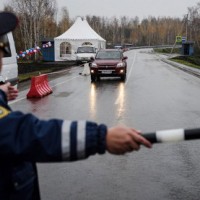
[(32, 139)]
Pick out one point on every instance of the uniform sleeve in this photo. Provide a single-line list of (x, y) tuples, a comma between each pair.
[(25, 137)]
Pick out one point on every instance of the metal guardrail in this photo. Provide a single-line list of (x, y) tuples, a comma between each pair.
[(155, 46)]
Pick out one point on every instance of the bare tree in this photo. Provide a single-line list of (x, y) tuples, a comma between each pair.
[(33, 15), (194, 23), (65, 21)]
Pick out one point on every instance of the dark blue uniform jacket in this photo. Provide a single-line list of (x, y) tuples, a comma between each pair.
[(26, 140)]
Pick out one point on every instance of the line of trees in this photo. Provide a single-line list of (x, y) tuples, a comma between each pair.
[(150, 31), (193, 24), (39, 20)]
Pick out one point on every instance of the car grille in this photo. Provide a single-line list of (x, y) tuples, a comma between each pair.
[(106, 67)]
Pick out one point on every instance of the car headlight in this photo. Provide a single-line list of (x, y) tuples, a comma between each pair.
[(121, 64), (94, 65)]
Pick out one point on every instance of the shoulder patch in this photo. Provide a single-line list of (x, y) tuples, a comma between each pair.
[(3, 112)]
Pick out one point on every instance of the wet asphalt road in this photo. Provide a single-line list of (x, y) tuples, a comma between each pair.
[(155, 96)]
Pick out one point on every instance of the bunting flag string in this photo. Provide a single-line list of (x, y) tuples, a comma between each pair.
[(32, 51)]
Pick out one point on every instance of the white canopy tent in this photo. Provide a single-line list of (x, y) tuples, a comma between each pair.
[(80, 33)]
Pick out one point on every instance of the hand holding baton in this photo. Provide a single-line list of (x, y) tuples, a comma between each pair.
[(173, 135)]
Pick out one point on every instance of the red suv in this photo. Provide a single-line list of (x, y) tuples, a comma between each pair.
[(108, 63)]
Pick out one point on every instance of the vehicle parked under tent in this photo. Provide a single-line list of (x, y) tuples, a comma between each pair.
[(80, 33)]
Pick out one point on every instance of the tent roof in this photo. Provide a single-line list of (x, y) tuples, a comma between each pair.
[(80, 30)]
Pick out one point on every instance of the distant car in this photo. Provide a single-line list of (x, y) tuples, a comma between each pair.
[(84, 53), (108, 63), (118, 47)]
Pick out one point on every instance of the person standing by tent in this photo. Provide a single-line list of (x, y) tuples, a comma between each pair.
[(26, 140)]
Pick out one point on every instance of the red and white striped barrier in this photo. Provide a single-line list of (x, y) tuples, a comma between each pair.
[(174, 135), (39, 87)]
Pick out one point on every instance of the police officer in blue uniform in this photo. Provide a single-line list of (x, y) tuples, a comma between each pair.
[(26, 140)]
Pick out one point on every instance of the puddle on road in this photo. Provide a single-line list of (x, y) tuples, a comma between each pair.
[(63, 94)]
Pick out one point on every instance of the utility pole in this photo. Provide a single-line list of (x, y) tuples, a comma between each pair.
[(185, 21), (186, 26)]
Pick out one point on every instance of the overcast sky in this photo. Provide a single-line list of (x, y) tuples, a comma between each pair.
[(129, 8)]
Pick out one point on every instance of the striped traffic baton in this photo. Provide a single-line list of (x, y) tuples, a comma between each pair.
[(173, 135)]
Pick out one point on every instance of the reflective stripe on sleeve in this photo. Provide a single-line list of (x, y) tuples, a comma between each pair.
[(78, 140), (66, 140), (81, 137)]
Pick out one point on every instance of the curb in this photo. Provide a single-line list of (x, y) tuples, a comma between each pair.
[(195, 72)]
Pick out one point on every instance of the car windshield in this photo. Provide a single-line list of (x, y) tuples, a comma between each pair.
[(86, 50), (110, 55)]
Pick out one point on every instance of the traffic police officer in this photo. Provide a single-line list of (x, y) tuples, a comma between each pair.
[(26, 140)]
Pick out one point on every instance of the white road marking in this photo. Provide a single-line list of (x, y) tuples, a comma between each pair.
[(131, 69), (65, 81), (127, 79)]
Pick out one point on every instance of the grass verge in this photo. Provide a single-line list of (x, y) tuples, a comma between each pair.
[(191, 61), (28, 70), (27, 76)]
